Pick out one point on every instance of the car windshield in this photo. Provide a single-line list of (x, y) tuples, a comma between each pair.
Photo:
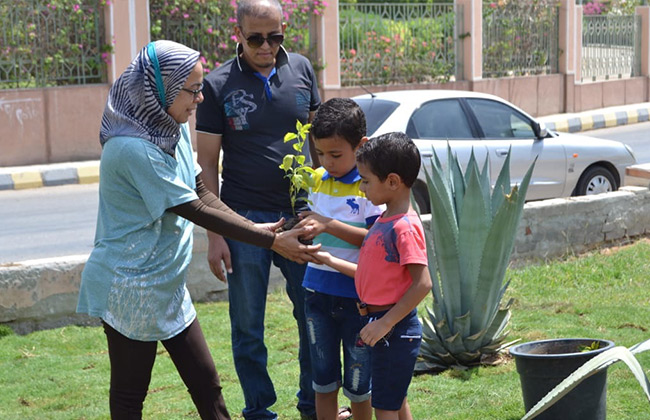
[(376, 110)]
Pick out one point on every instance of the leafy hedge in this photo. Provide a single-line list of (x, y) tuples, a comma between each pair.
[(380, 50), (207, 26), (52, 43)]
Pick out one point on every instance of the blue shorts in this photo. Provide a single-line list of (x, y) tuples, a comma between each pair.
[(393, 360), (332, 321)]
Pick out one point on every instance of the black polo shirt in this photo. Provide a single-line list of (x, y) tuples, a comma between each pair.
[(253, 117)]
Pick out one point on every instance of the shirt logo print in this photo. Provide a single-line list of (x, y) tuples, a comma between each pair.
[(354, 207), (383, 234), (237, 105)]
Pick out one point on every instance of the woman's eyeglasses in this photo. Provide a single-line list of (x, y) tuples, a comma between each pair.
[(257, 40), (194, 92)]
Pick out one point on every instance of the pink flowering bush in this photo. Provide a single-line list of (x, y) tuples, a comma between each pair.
[(52, 43), (594, 8), (207, 26), (520, 38), (380, 50), (610, 7)]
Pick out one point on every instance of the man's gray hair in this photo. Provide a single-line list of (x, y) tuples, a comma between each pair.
[(254, 8)]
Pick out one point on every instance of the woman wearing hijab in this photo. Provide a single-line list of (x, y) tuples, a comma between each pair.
[(149, 195)]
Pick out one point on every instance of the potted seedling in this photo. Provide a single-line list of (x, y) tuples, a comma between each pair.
[(297, 172)]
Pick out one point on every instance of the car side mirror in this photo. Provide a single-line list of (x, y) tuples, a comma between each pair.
[(540, 130)]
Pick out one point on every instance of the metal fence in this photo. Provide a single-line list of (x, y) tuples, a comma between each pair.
[(611, 47), (520, 38), (386, 43), (48, 45)]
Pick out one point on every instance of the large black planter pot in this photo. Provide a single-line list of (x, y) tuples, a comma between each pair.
[(544, 364)]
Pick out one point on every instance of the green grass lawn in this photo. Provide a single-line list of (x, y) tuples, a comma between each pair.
[(63, 373)]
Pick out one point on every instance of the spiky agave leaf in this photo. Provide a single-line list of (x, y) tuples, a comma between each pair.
[(471, 237), (591, 367), (473, 226), (445, 239)]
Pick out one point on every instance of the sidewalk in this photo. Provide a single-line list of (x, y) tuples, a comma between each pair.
[(87, 172), (34, 176)]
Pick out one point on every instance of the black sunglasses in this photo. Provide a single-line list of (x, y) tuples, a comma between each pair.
[(257, 40), (195, 92)]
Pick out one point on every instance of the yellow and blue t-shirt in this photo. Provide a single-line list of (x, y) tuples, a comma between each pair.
[(340, 199)]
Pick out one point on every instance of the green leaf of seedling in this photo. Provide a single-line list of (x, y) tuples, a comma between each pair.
[(290, 136), (287, 163), (300, 160), (304, 130), (297, 147)]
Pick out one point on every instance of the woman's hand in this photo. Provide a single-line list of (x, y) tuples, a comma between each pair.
[(270, 226), (287, 245)]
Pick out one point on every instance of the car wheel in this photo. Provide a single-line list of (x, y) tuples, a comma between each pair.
[(421, 197), (596, 180)]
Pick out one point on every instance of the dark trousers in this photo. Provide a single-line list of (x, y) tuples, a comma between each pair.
[(132, 362)]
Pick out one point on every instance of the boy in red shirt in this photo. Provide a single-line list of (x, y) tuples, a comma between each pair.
[(391, 277)]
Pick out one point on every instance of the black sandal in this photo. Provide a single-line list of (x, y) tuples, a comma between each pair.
[(343, 411)]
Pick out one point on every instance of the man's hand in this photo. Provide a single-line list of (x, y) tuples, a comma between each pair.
[(218, 251), (373, 332), (315, 222), (287, 245)]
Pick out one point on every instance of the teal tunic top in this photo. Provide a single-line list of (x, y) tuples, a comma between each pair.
[(135, 277)]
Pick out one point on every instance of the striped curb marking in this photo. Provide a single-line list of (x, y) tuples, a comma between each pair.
[(594, 121), (84, 174)]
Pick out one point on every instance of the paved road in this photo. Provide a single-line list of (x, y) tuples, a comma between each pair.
[(636, 136), (47, 222), (58, 221)]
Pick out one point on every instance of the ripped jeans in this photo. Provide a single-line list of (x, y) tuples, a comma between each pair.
[(333, 321)]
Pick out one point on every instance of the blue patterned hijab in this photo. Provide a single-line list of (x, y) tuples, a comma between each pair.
[(138, 100)]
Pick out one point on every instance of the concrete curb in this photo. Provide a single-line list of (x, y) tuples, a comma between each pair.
[(87, 172), (600, 118), (35, 176)]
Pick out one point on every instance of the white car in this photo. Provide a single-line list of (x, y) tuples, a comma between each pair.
[(567, 164)]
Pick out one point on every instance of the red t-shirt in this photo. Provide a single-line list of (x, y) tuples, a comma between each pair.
[(382, 277)]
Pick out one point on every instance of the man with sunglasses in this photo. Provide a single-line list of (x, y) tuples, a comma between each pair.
[(250, 103)]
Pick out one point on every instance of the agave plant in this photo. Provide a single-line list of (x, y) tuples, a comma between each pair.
[(469, 242)]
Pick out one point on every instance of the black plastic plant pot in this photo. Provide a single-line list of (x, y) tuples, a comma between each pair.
[(544, 364), (288, 225)]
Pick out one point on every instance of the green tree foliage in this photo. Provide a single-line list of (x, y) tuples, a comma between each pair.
[(207, 26), (52, 43)]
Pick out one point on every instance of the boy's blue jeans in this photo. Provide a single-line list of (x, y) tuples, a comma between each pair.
[(333, 322), (247, 290), (393, 359)]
